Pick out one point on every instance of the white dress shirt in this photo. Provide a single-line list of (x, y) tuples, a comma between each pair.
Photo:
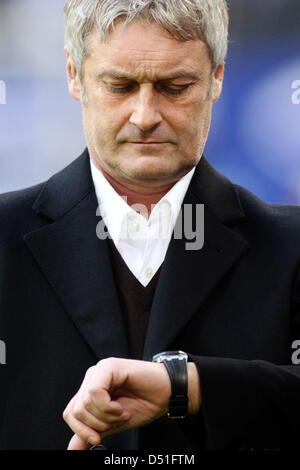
[(142, 243)]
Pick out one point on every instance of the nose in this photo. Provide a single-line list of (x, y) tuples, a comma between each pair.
[(145, 113)]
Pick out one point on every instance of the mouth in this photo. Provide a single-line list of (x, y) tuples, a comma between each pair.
[(148, 143)]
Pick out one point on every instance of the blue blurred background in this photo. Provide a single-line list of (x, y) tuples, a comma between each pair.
[(255, 132)]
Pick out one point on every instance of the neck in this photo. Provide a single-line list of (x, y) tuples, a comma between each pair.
[(144, 203)]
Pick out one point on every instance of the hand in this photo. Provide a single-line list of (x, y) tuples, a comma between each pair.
[(117, 394), (120, 394)]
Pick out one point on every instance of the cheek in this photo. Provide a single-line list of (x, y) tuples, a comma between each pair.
[(99, 120), (200, 118), (194, 130), (108, 116), (194, 121)]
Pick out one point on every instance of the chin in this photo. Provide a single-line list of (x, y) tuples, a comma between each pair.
[(154, 173)]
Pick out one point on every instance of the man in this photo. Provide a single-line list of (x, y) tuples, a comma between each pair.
[(123, 332)]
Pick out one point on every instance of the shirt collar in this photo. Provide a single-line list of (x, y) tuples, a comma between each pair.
[(114, 208)]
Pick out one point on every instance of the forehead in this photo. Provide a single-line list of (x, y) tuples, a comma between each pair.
[(146, 50)]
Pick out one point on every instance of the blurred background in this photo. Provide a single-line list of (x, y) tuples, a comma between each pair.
[(255, 132)]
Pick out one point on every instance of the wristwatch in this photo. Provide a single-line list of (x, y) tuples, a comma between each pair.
[(176, 365)]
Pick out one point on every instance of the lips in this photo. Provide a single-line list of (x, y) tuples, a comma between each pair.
[(148, 143)]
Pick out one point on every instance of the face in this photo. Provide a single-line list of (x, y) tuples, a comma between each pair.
[(149, 103)]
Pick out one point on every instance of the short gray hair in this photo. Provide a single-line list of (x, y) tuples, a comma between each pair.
[(186, 19)]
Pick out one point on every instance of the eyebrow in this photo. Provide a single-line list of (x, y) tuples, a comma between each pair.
[(122, 76)]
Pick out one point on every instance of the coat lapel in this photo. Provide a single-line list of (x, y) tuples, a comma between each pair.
[(188, 277), (75, 262)]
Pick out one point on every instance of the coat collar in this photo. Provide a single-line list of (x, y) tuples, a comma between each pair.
[(64, 190), (77, 264), (67, 188)]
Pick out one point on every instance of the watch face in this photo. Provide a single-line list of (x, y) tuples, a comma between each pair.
[(168, 355)]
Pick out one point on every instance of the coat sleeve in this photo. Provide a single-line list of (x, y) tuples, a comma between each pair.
[(252, 404)]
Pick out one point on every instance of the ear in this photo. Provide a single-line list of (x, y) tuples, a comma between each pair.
[(218, 82), (73, 78)]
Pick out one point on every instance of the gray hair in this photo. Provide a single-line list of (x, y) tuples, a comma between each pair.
[(185, 19)]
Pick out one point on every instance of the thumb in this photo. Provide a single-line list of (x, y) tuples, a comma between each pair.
[(76, 443)]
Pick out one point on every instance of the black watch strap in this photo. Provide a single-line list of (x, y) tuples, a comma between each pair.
[(176, 365)]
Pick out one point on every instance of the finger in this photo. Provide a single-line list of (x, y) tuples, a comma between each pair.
[(83, 431), (110, 413), (84, 416), (117, 429), (76, 443), (69, 406), (97, 396)]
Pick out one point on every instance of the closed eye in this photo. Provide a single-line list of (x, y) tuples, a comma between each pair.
[(120, 89), (175, 90)]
